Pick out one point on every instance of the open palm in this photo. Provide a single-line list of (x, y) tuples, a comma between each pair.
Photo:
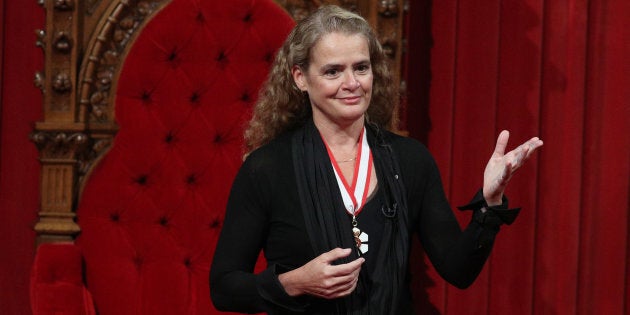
[(502, 166)]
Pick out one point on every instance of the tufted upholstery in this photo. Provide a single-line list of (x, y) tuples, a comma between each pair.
[(151, 210)]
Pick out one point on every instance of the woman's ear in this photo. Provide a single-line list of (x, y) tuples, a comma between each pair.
[(299, 77)]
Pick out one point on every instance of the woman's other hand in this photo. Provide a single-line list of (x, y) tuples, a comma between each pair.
[(502, 166), (319, 277)]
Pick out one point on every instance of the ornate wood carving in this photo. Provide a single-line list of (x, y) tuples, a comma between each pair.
[(78, 124), (57, 155), (105, 55), (64, 5), (84, 44)]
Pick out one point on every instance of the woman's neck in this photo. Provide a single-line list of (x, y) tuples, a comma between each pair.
[(342, 142), (340, 136)]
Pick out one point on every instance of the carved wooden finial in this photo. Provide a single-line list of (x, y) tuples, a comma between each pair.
[(64, 5), (41, 38), (388, 8), (62, 83), (63, 42), (38, 81)]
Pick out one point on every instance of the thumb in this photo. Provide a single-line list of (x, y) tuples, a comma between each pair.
[(502, 141)]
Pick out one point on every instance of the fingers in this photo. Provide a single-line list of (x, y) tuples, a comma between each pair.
[(533, 144), (530, 145), (502, 166), (348, 268), (343, 289), (342, 270), (335, 254), (344, 280), (319, 277), (338, 280), (518, 156)]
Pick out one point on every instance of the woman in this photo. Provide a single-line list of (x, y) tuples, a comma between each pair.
[(333, 198)]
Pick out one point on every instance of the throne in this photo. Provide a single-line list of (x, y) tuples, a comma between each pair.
[(145, 104)]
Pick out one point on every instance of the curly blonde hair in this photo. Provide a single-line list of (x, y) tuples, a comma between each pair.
[(282, 107)]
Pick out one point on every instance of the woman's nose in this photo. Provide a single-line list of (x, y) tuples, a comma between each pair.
[(350, 82)]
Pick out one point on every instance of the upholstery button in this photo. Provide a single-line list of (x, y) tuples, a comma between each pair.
[(188, 262), (218, 138), (169, 137), (245, 97), (138, 261), (269, 57), (247, 18), (173, 59), (216, 223), (146, 96), (172, 56), (194, 98), (200, 18), (191, 179), (141, 180), (164, 221), (222, 57), (115, 217)]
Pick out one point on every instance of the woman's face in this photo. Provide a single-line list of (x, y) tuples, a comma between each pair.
[(338, 79)]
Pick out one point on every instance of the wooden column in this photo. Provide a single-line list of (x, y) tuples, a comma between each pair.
[(61, 135)]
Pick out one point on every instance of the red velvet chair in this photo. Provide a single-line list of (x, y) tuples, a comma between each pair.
[(151, 209)]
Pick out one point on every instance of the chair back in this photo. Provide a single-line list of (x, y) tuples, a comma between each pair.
[(151, 209)]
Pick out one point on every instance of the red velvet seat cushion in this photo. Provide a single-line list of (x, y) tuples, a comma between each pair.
[(152, 209), (56, 283)]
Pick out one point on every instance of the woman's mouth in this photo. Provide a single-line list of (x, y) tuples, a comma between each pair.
[(351, 100)]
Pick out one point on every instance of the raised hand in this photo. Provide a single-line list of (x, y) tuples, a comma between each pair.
[(502, 166), (322, 279)]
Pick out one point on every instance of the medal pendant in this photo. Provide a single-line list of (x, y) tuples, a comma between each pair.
[(361, 239)]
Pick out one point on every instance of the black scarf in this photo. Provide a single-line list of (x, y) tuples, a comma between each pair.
[(326, 219)]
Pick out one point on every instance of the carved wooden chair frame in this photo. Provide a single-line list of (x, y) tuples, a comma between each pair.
[(85, 43)]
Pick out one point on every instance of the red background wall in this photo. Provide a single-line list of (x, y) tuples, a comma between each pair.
[(20, 108), (556, 69)]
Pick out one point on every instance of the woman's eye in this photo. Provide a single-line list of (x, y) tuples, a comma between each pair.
[(363, 68)]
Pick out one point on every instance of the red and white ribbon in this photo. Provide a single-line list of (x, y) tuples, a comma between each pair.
[(354, 195)]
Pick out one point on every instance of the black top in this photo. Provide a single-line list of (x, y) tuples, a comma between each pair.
[(264, 212)]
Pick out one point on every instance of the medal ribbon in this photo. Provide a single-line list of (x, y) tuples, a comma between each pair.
[(354, 195)]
